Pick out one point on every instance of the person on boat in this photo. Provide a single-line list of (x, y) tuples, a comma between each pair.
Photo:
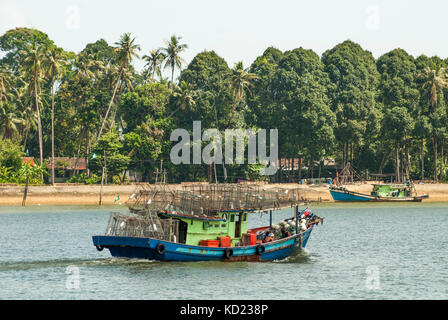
[(269, 238), (285, 233)]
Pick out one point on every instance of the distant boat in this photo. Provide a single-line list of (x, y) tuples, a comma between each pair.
[(380, 193), (207, 223)]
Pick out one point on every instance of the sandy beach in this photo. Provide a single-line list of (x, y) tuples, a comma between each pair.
[(64, 194)]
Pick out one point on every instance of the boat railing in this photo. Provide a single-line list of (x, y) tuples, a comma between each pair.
[(131, 225)]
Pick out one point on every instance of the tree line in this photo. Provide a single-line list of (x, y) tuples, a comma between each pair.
[(380, 115)]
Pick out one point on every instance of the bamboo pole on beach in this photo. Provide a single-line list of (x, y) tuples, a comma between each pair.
[(101, 189), (25, 192)]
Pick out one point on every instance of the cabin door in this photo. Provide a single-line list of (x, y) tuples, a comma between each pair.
[(182, 232), (238, 225)]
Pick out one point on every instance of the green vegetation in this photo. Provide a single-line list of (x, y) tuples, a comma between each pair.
[(14, 170), (382, 115)]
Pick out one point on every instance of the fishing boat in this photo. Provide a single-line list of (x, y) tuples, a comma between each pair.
[(207, 223), (380, 193)]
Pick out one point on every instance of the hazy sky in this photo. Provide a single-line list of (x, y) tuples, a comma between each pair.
[(238, 30)]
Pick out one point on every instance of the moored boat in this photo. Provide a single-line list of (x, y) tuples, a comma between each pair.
[(380, 193), (207, 224)]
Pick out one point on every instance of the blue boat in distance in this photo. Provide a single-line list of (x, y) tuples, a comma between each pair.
[(380, 193)]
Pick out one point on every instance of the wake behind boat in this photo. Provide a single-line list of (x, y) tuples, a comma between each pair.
[(203, 223)]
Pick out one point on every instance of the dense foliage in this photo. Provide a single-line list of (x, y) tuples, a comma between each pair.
[(381, 115)]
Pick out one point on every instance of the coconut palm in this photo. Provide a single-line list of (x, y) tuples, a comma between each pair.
[(434, 81), (172, 53), (240, 81), (8, 115), (54, 63), (127, 76), (125, 51), (146, 75), (154, 62), (10, 121), (24, 107), (86, 66), (33, 72), (88, 69), (184, 97), (28, 115), (5, 82)]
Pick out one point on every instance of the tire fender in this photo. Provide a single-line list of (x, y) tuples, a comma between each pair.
[(259, 249), (228, 252), (160, 248)]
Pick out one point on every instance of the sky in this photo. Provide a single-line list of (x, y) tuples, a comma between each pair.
[(238, 30)]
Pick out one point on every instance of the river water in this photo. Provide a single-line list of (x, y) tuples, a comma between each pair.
[(362, 251)]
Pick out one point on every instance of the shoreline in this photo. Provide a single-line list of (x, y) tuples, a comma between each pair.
[(89, 194)]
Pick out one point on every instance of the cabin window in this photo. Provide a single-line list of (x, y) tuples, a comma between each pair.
[(223, 226), (232, 218), (216, 225), (244, 216)]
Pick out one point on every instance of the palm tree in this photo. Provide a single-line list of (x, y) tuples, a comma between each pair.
[(24, 105), (154, 62), (240, 80), (184, 97), (32, 69), (8, 115), (127, 76), (126, 51), (54, 64), (146, 75), (5, 82), (434, 81), (172, 54), (9, 121), (85, 66), (88, 68), (29, 117)]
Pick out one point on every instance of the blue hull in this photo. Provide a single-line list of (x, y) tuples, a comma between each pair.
[(145, 248), (344, 196)]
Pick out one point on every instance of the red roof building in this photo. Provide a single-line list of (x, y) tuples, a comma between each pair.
[(66, 163)]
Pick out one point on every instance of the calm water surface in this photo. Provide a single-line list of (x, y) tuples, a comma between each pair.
[(362, 251)]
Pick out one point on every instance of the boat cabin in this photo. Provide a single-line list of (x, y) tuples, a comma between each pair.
[(193, 230), (387, 190)]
